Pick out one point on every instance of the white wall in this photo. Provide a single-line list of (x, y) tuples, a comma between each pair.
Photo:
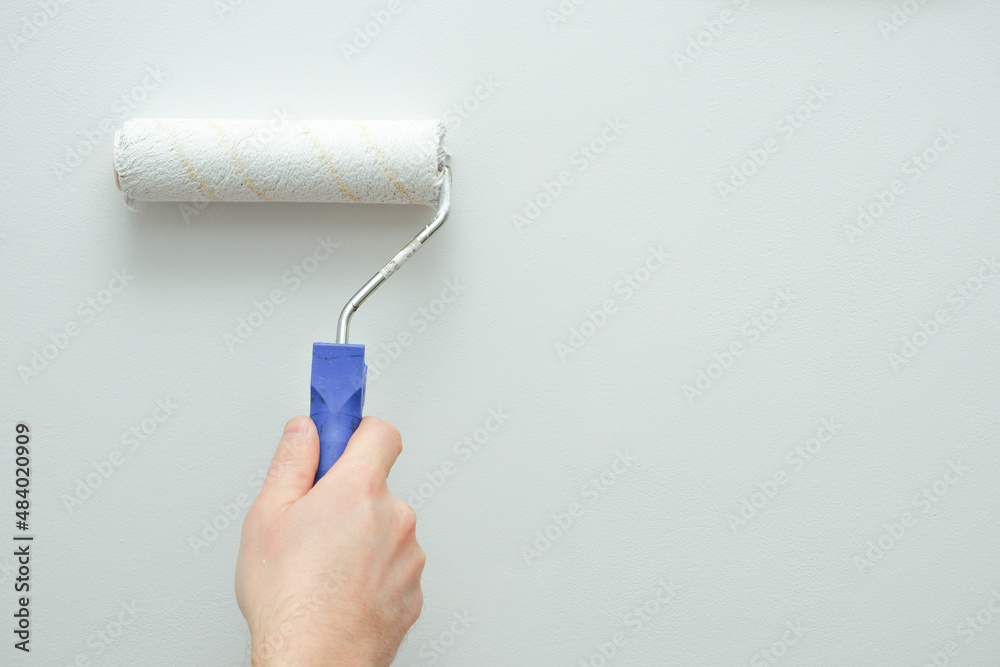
[(729, 591)]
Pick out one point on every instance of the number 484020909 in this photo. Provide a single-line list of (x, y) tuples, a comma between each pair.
[(22, 476)]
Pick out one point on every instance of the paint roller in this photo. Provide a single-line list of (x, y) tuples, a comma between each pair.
[(368, 162)]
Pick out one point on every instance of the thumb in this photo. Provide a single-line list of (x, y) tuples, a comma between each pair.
[(291, 473)]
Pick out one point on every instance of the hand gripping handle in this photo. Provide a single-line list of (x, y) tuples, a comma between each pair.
[(338, 396)]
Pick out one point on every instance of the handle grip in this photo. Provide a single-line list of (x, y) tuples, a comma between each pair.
[(338, 396)]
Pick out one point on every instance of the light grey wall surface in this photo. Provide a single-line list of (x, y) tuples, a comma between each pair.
[(828, 496)]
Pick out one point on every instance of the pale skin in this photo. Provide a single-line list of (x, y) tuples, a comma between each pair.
[(329, 575)]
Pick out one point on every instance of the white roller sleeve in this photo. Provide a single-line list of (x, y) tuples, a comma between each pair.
[(372, 162)]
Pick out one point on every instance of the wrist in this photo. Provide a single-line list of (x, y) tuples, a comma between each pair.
[(280, 650)]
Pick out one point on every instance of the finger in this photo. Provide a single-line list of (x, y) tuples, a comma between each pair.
[(374, 447), (293, 468)]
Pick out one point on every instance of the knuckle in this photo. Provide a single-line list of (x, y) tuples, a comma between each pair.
[(291, 449), (418, 603), (407, 519), (388, 434), (275, 467), (420, 558)]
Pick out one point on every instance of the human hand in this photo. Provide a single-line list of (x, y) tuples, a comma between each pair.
[(329, 575)]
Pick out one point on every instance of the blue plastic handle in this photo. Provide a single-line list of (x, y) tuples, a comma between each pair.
[(338, 396)]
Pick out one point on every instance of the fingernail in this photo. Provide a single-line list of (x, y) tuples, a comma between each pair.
[(294, 427)]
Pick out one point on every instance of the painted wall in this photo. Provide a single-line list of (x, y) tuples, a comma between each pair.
[(702, 370)]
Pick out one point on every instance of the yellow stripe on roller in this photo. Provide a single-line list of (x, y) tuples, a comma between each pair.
[(182, 156), (384, 162), (238, 163), (325, 159)]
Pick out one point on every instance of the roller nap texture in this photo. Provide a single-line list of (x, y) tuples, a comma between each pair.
[(370, 162)]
